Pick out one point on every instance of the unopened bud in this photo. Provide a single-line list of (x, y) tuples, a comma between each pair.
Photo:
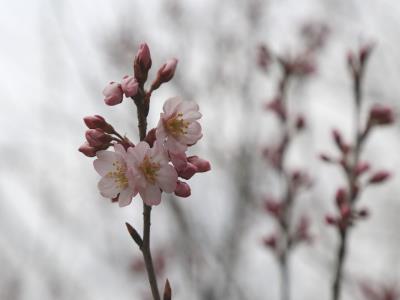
[(142, 63), (277, 107), (97, 137), (379, 177), (300, 122), (96, 121), (88, 150), (165, 73), (365, 52), (330, 220), (271, 241), (326, 158), (264, 57), (201, 164), (381, 115), (341, 197), (113, 94), (182, 189), (361, 168), (129, 86), (188, 171), (151, 137)]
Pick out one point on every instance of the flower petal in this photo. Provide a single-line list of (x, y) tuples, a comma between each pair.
[(103, 166), (108, 188), (125, 197), (151, 195), (167, 178)]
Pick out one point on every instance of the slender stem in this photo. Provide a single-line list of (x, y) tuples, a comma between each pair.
[(142, 111), (342, 250), (285, 280)]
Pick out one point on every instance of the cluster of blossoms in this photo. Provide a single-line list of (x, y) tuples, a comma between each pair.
[(159, 162), (383, 292), (360, 174)]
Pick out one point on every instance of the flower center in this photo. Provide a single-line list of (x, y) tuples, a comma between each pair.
[(176, 126), (149, 169), (119, 175)]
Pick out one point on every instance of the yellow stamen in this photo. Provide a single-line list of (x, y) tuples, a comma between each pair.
[(176, 126), (149, 169), (118, 174)]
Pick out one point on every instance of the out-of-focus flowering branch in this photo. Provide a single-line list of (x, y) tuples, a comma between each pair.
[(354, 168), (288, 236), (154, 164), (382, 292)]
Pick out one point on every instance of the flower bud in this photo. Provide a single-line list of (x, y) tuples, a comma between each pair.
[(300, 123), (365, 52), (151, 137), (188, 171), (379, 177), (88, 150), (271, 241), (381, 115), (326, 158), (165, 73), (330, 220), (264, 59), (96, 121), (202, 165), (129, 86), (273, 207), (182, 189), (97, 137), (341, 197), (361, 168), (142, 63), (179, 160), (113, 94)]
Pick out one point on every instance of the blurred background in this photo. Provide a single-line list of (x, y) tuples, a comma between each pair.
[(59, 239)]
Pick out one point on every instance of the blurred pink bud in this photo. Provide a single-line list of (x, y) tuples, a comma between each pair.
[(96, 121), (379, 177), (201, 164), (129, 86), (97, 137), (142, 63), (277, 107), (381, 115), (363, 213), (337, 137), (151, 137), (264, 59), (273, 207), (345, 211), (113, 94), (188, 171), (165, 73), (182, 189), (351, 62), (330, 220), (88, 150), (179, 160), (271, 241), (341, 197), (361, 168), (365, 52), (300, 122)]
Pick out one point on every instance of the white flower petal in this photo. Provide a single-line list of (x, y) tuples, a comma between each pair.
[(170, 106), (167, 178), (151, 195), (125, 197), (108, 188), (103, 166)]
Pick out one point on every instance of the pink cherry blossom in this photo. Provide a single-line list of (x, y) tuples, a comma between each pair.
[(178, 125), (150, 172), (115, 177), (129, 86)]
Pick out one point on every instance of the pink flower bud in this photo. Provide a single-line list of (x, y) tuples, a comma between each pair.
[(129, 86), (330, 220), (277, 107), (341, 197), (188, 171), (151, 137), (363, 213), (264, 59), (88, 150), (113, 94), (165, 73), (271, 241), (300, 123), (345, 211), (96, 121), (182, 189), (201, 164), (361, 168), (97, 137), (142, 63), (179, 160), (365, 52), (379, 177), (381, 115), (337, 137)]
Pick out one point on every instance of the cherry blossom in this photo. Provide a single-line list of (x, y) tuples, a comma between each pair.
[(115, 178), (150, 172), (178, 125)]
